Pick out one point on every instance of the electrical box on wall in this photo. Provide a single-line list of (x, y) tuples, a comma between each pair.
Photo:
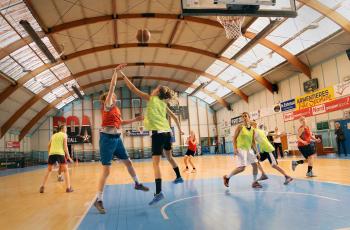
[(311, 85)]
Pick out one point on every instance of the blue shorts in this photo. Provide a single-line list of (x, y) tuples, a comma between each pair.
[(111, 145)]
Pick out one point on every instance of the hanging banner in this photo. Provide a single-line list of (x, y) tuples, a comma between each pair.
[(77, 134), (136, 133), (288, 105), (335, 105), (342, 89), (342, 103), (236, 120), (315, 98), (13, 144)]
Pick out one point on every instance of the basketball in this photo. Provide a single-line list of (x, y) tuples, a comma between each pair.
[(143, 35)]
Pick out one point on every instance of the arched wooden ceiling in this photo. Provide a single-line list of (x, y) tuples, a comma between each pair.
[(317, 5), (7, 125), (46, 109), (292, 59)]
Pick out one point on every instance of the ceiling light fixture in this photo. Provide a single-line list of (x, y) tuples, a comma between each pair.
[(35, 37)]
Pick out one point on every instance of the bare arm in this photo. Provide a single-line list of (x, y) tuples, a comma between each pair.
[(49, 146), (300, 132), (238, 130), (173, 116), (254, 144), (65, 143), (134, 89), (129, 121)]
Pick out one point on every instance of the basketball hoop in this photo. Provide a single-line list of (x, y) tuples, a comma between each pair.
[(232, 25)]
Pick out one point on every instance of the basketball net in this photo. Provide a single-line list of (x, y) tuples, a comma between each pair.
[(232, 25)]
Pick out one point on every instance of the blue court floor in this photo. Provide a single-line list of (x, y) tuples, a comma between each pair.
[(207, 204)]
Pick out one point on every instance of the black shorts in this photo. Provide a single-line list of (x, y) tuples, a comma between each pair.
[(61, 159), (160, 141), (306, 150), (190, 152), (270, 157)]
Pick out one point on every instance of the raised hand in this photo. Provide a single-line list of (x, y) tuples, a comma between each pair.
[(120, 67)]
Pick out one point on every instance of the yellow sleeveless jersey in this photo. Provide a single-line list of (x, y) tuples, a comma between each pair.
[(57, 144)]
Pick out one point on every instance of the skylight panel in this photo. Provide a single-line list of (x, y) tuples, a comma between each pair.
[(17, 13), (229, 73), (235, 47), (61, 71), (7, 34), (27, 58), (189, 90), (259, 25), (216, 67), (60, 91), (60, 105), (240, 80), (201, 79), (11, 68), (50, 97)]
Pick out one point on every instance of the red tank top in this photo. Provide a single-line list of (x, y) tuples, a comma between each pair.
[(305, 136), (192, 145), (111, 118)]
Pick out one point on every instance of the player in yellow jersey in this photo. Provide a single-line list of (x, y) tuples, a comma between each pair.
[(243, 142), (265, 152), (58, 152), (157, 122)]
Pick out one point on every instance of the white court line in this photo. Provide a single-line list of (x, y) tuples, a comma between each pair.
[(85, 213), (165, 216)]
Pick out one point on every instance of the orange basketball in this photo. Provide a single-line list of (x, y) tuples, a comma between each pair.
[(143, 35)]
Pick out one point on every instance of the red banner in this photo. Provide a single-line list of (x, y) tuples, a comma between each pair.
[(327, 107), (13, 144)]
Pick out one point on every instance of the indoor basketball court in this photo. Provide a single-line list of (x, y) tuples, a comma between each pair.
[(175, 114)]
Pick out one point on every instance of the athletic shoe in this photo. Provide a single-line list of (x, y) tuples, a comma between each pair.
[(60, 178), (310, 174), (141, 187), (226, 181), (294, 165), (256, 185), (41, 189), (178, 180), (157, 197), (288, 180), (193, 171), (263, 177), (99, 206), (70, 189)]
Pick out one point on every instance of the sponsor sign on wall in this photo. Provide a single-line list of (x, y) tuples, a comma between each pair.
[(136, 133), (76, 134), (288, 105), (236, 120), (13, 144), (342, 89), (315, 98), (327, 107)]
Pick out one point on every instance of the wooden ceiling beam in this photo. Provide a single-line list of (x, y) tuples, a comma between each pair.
[(46, 109), (328, 12), (8, 124)]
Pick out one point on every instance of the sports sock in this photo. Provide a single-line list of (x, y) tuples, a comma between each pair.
[(136, 179), (158, 185), (177, 171), (309, 169), (100, 196)]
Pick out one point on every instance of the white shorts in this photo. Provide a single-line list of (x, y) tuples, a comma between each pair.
[(245, 157)]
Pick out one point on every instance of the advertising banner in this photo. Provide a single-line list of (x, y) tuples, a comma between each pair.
[(236, 120), (288, 105), (136, 133), (342, 89), (13, 144), (315, 98), (327, 107)]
